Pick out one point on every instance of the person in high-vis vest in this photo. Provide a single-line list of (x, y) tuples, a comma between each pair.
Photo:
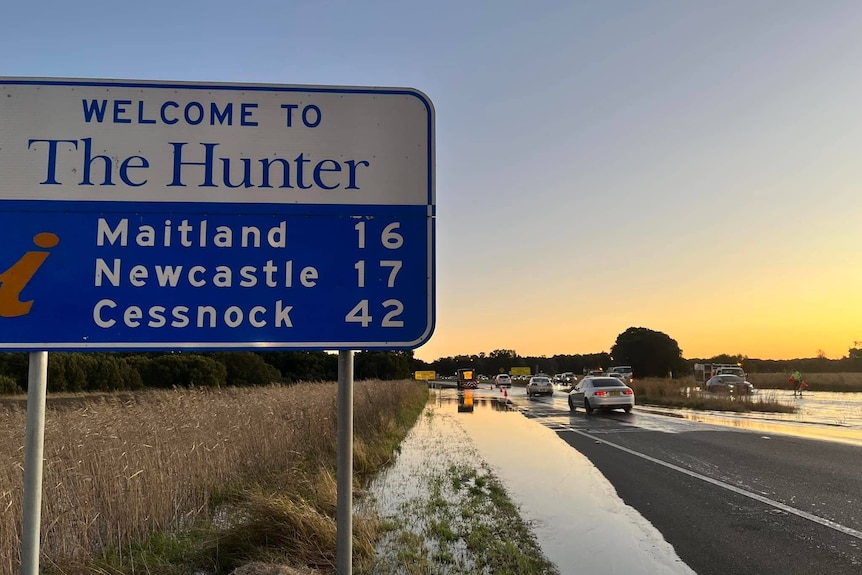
[(797, 382)]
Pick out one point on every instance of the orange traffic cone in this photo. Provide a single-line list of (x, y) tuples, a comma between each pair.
[(505, 393)]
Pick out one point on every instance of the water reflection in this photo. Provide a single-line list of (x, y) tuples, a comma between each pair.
[(468, 399), (465, 401)]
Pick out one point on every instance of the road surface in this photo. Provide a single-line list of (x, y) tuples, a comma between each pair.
[(728, 499)]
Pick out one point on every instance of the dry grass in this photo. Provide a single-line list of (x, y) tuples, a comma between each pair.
[(248, 468), (683, 392)]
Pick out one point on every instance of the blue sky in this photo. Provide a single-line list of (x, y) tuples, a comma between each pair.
[(688, 167)]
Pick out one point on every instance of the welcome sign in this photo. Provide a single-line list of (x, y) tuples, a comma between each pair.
[(164, 215)]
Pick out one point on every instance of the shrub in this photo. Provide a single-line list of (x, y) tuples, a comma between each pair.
[(91, 372), (246, 368), (183, 370), (15, 365), (8, 385)]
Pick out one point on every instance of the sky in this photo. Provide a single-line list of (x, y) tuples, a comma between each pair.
[(689, 167)]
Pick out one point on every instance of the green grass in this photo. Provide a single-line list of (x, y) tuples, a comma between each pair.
[(161, 553), (463, 525)]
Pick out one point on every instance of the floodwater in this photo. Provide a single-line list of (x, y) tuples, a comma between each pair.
[(558, 490), (831, 416)]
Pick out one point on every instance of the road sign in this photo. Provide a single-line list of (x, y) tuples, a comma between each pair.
[(520, 371), (171, 215), (425, 375)]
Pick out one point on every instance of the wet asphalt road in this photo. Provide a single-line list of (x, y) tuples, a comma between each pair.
[(728, 500)]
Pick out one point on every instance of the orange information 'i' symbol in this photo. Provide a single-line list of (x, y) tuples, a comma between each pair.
[(16, 278)]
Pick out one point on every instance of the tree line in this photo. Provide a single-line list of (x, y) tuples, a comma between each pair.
[(650, 353), (90, 371)]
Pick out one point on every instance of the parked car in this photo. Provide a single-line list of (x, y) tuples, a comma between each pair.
[(728, 384), (503, 380), (601, 393), (539, 385)]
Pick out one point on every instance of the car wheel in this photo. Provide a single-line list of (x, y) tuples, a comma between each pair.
[(571, 405), (587, 407), (627, 409)]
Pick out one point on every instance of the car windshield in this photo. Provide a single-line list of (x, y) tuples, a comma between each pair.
[(608, 382), (541, 380), (730, 378)]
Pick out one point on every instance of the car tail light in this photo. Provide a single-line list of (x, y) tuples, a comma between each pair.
[(601, 393), (628, 392)]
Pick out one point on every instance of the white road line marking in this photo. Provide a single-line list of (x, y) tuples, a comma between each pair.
[(777, 504)]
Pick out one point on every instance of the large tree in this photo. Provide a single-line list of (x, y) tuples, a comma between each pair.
[(650, 353)]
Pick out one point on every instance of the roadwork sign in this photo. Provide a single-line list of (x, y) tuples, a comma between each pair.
[(172, 215)]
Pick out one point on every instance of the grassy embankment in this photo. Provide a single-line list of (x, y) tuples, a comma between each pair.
[(173, 482)]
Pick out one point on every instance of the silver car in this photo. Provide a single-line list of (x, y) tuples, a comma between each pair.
[(601, 393), (503, 380), (728, 384), (539, 385)]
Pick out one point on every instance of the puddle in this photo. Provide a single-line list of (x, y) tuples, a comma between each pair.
[(541, 474)]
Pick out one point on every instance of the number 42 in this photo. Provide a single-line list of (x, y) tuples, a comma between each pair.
[(360, 314)]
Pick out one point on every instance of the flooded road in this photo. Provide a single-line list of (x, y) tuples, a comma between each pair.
[(829, 416), (825, 415), (713, 481)]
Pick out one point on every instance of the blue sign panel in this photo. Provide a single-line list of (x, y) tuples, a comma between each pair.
[(188, 216)]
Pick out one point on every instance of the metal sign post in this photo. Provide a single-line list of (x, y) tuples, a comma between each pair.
[(34, 435), (344, 466)]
